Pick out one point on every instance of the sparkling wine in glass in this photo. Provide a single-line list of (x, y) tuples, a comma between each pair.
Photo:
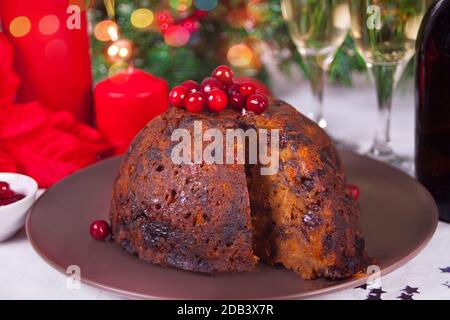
[(385, 32), (318, 28)]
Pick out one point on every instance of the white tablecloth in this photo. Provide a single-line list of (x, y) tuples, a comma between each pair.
[(351, 113)]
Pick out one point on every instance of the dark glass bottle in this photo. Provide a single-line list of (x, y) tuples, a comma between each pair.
[(433, 105)]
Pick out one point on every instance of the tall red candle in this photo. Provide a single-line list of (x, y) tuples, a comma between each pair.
[(125, 103), (52, 53)]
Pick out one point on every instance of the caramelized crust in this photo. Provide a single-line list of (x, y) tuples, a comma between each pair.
[(303, 217), (220, 218)]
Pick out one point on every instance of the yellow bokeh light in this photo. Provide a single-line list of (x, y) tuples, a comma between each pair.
[(180, 5), (124, 53), (117, 67), (113, 50), (106, 30), (49, 24), (142, 18), (20, 26), (240, 55), (120, 50)]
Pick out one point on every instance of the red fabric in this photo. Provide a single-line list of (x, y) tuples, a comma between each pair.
[(9, 81), (37, 142)]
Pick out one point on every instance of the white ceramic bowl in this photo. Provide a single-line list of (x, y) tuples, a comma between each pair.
[(12, 216)]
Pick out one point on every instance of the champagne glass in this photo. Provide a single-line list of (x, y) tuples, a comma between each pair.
[(385, 32), (318, 28)]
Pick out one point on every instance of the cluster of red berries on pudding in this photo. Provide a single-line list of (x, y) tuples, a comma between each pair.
[(217, 93), (7, 195)]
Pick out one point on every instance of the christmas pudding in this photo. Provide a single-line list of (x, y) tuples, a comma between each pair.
[(208, 217)]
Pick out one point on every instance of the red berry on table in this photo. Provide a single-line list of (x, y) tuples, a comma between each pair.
[(99, 230), (257, 103), (247, 89), (217, 100), (177, 96), (354, 191), (233, 89), (194, 102), (210, 84), (191, 85), (224, 74), (237, 101)]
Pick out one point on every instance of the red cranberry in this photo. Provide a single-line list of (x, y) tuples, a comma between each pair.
[(5, 190), (4, 185), (210, 84), (237, 101), (194, 102), (224, 74), (191, 85), (257, 103), (247, 89), (99, 230), (354, 191), (217, 100), (233, 89), (177, 96)]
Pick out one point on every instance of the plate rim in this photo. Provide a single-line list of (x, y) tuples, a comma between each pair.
[(312, 293)]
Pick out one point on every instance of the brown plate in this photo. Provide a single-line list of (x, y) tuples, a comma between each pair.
[(398, 218)]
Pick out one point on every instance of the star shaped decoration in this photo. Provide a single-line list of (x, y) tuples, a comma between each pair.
[(363, 286), (447, 284), (405, 296), (410, 290), (375, 294), (445, 270)]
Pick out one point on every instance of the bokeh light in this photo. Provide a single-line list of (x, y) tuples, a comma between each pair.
[(142, 18), (120, 50), (113, 50), (180, 5), (176, 36), (238, 18), (82, 4), (258, 10), (106, 30), (117, 68), (240, 55), (20, 26), (49, 24), (206, 5)]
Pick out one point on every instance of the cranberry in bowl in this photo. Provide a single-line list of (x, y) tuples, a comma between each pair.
[(17, 195)]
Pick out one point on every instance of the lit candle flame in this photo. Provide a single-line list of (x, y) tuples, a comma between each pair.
[(113, 33)]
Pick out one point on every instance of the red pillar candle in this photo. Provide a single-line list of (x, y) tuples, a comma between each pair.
[(52, 53), (126, 102)]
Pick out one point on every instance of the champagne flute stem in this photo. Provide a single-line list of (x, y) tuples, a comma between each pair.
[(317, 78), (385, 78)]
